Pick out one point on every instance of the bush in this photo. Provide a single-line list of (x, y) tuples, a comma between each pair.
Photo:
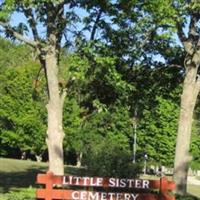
[(111, 159), (24, 194)]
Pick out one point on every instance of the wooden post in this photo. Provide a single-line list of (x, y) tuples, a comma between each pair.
[(47, 180), (49, 186), (165, 186)]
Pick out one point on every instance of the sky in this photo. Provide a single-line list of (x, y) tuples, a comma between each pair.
[(18, 18)]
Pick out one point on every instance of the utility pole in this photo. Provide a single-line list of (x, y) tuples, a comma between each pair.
[(135, 135), (134, 142)]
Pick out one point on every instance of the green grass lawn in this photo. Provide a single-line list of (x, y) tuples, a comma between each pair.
[(19, 174), (194, 190), (16, 174)]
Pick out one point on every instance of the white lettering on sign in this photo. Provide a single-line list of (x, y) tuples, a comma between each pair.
[(130, 183), (112, 182), (145, 184), (93, 196), (75, 195), (111, 195), (138, 184), (85, 195), (99, 181), (84, 181)]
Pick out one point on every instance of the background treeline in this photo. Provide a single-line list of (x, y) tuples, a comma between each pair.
[(106, 99)]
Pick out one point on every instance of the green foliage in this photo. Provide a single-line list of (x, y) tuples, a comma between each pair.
[(72, 125), (107, 71), (105, 84), (195, 140), (6, 8), (195, 147), (106, 143), (92, 109), (111, 157), (12, 55), (110, 77), (73, 67), (22, 117), (163, 15), (156, 127), (23, 194)]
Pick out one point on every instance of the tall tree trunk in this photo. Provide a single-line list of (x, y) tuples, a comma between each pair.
[(55, 133), (188, 101)]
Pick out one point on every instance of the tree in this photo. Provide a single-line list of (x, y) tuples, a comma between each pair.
[(156, 96), (57, 18), (152, 37), (173, 17), (107, 149), (170, 18), (157, 125), (191, 88), (92, 96), (22, 116), (53, 16)]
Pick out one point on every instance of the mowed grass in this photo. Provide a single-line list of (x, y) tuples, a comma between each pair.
[(194, 190), (18, 174)]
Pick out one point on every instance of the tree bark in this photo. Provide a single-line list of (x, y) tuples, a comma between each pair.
[(55, 133), (188, 101), (79, 159), (38, 157)]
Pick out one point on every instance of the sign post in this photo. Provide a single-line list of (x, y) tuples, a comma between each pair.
[(101, 188)]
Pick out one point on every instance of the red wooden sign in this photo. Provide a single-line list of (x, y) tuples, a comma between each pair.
[(147, 188)]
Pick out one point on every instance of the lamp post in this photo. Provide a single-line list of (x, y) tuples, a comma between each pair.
[(145, 163)]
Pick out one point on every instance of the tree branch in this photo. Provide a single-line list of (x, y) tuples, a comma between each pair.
[(188, 42), (184, 40), (17, 35), (175, 66), (192, 27), (148, 36), (61, 23), (94, 28), (180, 33), (32, 22)]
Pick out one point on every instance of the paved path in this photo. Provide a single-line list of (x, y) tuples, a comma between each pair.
[(193, 181)]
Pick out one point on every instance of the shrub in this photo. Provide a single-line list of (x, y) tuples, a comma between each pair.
[(109, 158), (24, 194)]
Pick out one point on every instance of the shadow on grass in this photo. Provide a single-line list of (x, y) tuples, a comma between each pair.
[(76, 171), (10, 181), (17, 180)]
